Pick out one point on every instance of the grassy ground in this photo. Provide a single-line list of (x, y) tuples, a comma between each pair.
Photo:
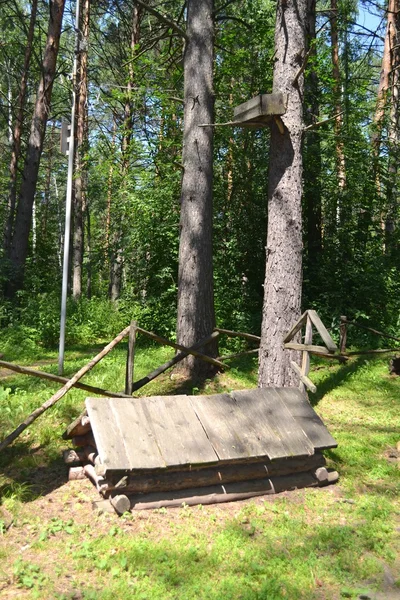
[(336, 542)]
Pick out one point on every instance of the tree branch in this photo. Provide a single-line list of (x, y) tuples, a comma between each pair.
[(171, 24)]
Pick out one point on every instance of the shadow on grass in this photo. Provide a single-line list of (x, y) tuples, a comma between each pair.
[(28, 473), (334, 380)]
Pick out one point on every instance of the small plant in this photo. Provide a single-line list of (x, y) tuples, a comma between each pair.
[(55, 526), (28, 575)]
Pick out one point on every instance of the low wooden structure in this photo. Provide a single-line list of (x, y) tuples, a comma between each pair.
[(165, 451)]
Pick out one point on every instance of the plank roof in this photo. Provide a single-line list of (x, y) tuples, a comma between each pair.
[(160, 432)]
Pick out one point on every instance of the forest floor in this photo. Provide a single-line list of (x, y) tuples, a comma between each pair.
[(342, 541)]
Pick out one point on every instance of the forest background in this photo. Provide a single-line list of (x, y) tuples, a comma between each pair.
[(128, 166)]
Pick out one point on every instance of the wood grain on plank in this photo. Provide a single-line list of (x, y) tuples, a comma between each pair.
[(106, 433), (178, 432), (218, 416), (307, 418)]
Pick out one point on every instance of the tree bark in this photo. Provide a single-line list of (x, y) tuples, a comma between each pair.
[(312, 150), (20, 241), (338, 123), (283, 275), (79, 189), (196, 318), (16, 147), (117, 252)]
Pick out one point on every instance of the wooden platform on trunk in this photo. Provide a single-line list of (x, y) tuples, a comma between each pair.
[(175, 433)]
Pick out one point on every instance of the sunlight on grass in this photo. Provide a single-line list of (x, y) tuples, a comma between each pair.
[(322, 544)]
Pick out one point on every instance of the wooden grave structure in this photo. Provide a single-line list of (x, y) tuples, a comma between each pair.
[(159, 451)]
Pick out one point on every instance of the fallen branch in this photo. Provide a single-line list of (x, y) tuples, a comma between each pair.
[(58, 395)]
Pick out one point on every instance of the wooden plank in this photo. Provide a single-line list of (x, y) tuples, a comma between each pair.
[(106, 433), (305, 359), (296, 328), (130, 359), (307, 418), (178, 432), (253, 403), (136, 435), (323, 332), (263, 105), (306, 348), (218, 415), (279, 419), (303, 378)]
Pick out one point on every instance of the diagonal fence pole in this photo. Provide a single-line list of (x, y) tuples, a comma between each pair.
[(61, 392)]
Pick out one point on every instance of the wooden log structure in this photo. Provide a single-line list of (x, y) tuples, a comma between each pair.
[(179, 479), (227, 493)]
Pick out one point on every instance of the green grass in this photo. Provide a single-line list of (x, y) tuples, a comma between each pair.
[(332, 543)]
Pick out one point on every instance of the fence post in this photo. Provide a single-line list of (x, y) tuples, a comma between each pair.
[(343, 334), (130, 359)]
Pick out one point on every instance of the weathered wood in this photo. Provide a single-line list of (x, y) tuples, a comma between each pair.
[(76, 428), (170, 363), (307, 382), (73, 458), (263, 105), (363, 352), (120, 503), (168, 480), (305, 361), (179, 435), (76, 473), (246, 336), (282, 422), (230, 430), (227, 493), (321, 474), (108, 439), (296, 328), (58, 379), (385, 335), (130, 359), (305, 416), (166, 342), (323, 332), (98, 480), (307, 348), (58, 395), (343, 334), (238, 354)]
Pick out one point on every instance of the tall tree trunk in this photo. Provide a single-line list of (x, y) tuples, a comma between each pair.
[(116, 266), (17, 134), (392, 218), (20, 240), (337, 94), (283, 275), (79, 189), (312, 150), (196, 317)]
